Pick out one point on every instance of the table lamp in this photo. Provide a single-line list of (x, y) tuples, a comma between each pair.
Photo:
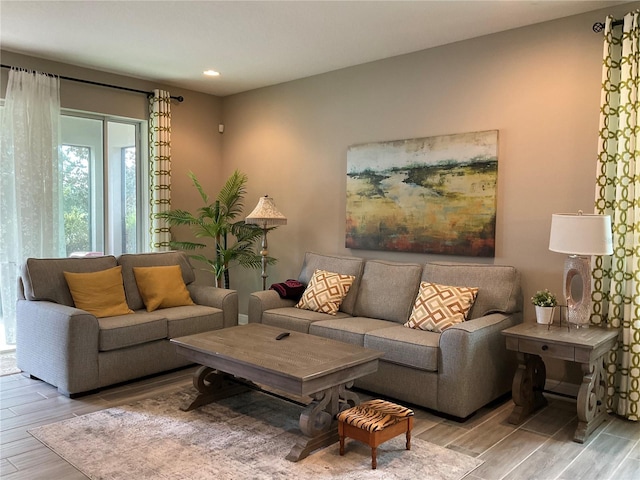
[(579, 236), (265, 215)]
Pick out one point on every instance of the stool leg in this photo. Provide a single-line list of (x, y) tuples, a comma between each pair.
[(341, 434), (409, 427), (374, 459)]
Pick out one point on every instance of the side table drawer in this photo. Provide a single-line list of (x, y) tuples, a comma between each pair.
[(563, 352)]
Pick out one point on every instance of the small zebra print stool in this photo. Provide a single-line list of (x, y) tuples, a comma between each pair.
[(374, 422)]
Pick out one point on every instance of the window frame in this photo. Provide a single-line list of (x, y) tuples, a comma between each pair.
[(103, 232)]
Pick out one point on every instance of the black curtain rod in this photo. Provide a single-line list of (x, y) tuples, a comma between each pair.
[(599, 26), (89, 82)]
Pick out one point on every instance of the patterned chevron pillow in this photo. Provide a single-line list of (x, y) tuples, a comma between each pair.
[(325, 292), (438, 307)]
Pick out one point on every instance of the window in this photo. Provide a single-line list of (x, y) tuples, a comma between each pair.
[(104, 184)]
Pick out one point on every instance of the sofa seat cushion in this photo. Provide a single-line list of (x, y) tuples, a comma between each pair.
[(189, 320), (349, 330), (127, 330), (387, 290), (296, 319), (406, 346)]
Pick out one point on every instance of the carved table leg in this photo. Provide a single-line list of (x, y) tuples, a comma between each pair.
[(592, 399), (318, 421), (528, 383), (212, 385)]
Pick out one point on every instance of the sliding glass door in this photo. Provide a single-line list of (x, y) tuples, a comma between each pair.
[(104, 185)]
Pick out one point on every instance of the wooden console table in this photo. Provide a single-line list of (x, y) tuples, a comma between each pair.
[(586, 346)]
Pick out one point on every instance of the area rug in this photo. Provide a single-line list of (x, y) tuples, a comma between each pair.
[(8, 364), (244, 437)]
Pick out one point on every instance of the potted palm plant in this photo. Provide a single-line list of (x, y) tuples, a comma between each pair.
[(217, 220), (545, 303)]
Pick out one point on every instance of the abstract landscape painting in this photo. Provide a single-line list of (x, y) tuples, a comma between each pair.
[(425, 195)]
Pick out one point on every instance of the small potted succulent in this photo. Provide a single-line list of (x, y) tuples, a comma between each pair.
[(545, 303)]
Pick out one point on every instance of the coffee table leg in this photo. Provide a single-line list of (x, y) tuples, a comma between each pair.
[(318, 421), (212, 385)]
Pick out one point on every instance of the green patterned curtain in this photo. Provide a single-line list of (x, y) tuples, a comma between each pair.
[(159, 168), (616, 279)]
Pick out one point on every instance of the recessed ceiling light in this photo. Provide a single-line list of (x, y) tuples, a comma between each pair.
[(211, 73)]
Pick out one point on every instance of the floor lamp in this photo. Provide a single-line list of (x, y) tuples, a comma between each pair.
[(265, 215), (579, 236)]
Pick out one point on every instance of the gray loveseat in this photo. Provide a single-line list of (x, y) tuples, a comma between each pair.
[(77, 352), (455, 372)]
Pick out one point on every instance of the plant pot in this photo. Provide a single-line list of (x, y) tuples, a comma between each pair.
[(544, 315)]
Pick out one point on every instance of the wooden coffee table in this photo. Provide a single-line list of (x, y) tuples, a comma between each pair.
[(236, 358)]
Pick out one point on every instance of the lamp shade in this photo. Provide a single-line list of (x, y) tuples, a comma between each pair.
[(579, 234), (266, 213)]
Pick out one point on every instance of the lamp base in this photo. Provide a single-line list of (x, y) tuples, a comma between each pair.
[(578, 310)]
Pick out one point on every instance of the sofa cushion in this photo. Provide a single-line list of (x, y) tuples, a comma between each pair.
[(331, 263), (325, 292), (189, 320), (43, 278), (295, 319), (406, 346), (387, 290), (161, 287), (127, 330), (498, 285), (128, 261), (438, 307), (348, 329), (99, 293)]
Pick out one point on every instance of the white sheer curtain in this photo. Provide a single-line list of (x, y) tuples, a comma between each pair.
[(159, 168), (30, 204)]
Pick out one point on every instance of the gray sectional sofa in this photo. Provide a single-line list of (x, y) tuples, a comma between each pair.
[(77, 352), (455, 372)]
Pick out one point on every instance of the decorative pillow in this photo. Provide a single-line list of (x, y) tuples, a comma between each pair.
[(99, 293), (162, 287), (325, 292), (438, 307)]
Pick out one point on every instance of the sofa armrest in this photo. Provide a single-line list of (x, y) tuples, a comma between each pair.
[(222, 298), (474, 366), (58, 344), (264, 300)]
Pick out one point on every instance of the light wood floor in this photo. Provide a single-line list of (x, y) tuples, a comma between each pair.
[(540, 448)]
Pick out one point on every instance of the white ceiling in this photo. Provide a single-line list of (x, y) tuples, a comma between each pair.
[(253, 44)]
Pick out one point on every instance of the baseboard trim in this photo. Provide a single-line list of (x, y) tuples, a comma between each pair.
[(243, 319)]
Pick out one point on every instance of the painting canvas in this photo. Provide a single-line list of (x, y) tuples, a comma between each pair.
[(425, 195)]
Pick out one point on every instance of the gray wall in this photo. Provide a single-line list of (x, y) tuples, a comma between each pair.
[(538, 85)]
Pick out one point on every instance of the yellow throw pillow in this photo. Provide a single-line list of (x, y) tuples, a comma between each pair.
[(162, 287), (99, 293), (438, 307), (325, 292)]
